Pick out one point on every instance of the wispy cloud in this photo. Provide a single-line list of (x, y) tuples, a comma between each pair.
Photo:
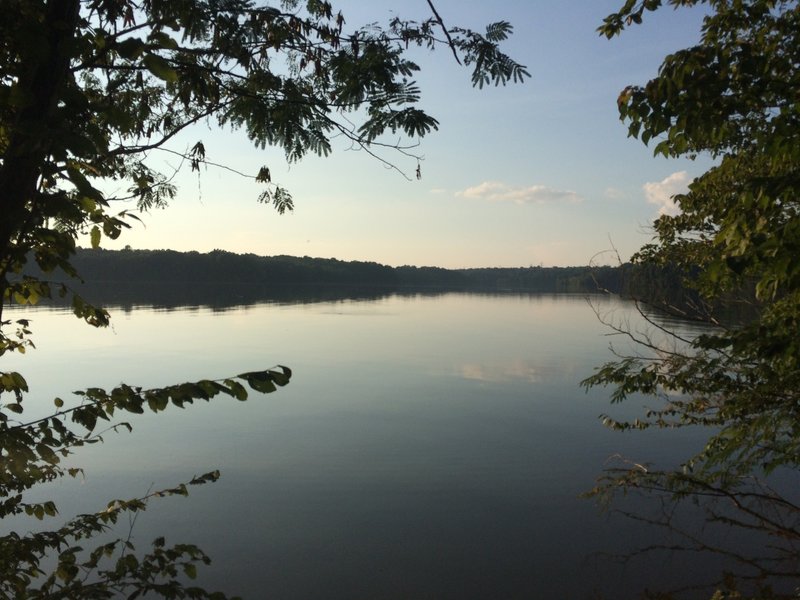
[(660, 193), (497, 191)]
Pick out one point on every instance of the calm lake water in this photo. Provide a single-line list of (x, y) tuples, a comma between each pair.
[(427, 446)]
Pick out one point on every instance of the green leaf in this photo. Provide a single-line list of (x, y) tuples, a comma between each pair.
[(157, 401), (131, 48), (159, 67), (95, 237), (260, 381), (281, 378), (236, 389)]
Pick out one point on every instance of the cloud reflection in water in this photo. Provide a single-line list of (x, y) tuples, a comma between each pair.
[(514, 371)]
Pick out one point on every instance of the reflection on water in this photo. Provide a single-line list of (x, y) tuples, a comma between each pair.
[(227, 296), (517, 369), (429, 446)]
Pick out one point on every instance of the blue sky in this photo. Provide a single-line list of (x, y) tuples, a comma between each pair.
[(537, 174)]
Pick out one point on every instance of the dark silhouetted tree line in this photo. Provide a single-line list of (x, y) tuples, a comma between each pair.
[(219, 266)]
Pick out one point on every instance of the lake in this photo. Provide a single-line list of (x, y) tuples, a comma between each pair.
[(428, 446)]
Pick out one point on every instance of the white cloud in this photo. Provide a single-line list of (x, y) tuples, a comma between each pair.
[(496, 191), (661, 193)]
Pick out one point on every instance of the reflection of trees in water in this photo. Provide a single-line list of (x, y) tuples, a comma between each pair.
[(746, 531), (738, 499), (224, 296), (128, 296)]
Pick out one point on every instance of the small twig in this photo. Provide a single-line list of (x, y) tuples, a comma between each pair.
[(446, 33)]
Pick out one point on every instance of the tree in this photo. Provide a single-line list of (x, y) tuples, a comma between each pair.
[(736, 241), (89, 91)]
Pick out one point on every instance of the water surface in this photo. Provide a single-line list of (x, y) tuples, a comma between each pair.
[(427, 447)]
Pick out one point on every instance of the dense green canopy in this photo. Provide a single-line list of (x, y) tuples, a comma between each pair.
[(733, 96)]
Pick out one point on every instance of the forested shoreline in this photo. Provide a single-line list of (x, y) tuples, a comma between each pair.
[(169, 278), (222, 267)]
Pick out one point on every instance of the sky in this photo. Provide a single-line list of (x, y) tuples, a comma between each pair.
[(538, 174)]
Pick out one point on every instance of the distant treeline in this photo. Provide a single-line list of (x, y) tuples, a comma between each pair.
[(220, 279), (218, 266)]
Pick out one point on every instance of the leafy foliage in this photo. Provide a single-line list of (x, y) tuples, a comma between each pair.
[(32, 453), (732, 96), (90, 91)]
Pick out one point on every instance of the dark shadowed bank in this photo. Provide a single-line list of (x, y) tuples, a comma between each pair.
[(171, 278)]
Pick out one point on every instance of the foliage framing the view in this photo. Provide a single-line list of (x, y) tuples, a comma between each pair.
[(90, 90), (733, 96)]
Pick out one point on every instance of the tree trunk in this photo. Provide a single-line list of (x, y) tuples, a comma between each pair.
[(45, 61)]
